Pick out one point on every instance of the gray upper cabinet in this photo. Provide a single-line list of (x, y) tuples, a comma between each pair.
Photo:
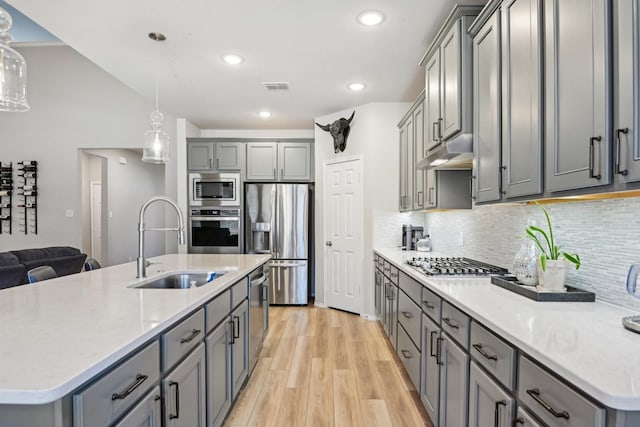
[(522, 126), (215, 156), (448, 189), (486, 112), (184, 392), (577, 81), (489, 405), (418, 154), (279, 161), (448, 79), (433, 121), (451, 76), (626, 90), (406, 138)]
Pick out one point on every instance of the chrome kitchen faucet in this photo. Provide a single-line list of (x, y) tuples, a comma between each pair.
[(141, 262)]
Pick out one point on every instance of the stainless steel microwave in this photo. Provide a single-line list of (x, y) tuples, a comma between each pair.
[(214, 189)]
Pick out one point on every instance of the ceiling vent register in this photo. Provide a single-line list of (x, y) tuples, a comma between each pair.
[(276, 85)]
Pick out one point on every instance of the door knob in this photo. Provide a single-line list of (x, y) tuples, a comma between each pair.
[(329, 243)]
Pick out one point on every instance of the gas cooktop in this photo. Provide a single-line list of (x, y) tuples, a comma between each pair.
[(454, 266)]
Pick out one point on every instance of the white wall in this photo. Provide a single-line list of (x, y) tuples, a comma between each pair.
[(374, 136), (74, 104)]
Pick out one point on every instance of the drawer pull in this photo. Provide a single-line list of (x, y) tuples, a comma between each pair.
[(518, 420), (535, 395), (497, 413), (394, 274), (407, 314), (138, 382), (236, 331), (177, 395), (194, 333), (448, 322), (406, 354), (484, 353), (431, 335), (428, 304)]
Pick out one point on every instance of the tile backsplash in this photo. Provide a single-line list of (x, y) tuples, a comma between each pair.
[(605, 233)]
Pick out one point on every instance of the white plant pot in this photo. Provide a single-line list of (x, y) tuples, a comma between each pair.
[(555, 275)]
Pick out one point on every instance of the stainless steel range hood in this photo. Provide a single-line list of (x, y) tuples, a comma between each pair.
[(456, 153)]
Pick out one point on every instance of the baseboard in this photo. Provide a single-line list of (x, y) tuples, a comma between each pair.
[(319, 304), (371, 317)]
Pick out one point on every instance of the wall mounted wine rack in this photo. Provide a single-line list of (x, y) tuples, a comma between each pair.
[(27, 191), (6, 194)]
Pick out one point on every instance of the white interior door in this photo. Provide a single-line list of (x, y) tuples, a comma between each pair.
[(343, 234), (96, 221)]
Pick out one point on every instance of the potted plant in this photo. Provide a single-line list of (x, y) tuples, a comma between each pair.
[(553, 261)]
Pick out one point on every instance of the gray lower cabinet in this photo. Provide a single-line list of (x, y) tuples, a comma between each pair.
[(489, 404), (626, 90), (521, 72), (378, 291), (486, 111), (239, 347), (577, 58), (409, 355), (184, 392), (454, 384), (554, 402), (430, 369), (147, 413), (523, 419), (218, 349)]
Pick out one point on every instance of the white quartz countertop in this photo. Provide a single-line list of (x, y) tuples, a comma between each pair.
[(585, 343), (58, 334)]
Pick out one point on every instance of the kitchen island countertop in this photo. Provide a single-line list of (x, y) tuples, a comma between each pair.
[(58, 334), (584, 342)]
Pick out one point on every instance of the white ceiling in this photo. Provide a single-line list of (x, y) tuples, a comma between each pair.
[(316, 46)]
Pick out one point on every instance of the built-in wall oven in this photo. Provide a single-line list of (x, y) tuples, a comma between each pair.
[(215, 230), (214, 189)]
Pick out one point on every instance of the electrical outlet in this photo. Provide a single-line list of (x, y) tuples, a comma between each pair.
[(460, 238)]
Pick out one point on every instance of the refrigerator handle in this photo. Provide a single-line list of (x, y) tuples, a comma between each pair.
[(274, 223)]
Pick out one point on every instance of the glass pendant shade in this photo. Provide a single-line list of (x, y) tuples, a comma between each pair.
[(156, 141), (13, 71)]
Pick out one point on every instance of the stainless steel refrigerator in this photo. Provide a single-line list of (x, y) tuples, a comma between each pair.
[(277, 222)]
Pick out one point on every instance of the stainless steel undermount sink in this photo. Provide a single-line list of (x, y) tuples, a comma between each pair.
[(180, 280)]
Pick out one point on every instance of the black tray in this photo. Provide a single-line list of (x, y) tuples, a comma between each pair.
[(570, 295)]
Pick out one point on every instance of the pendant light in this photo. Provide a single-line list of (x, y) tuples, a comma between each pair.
[(156, 140), (13, 71)]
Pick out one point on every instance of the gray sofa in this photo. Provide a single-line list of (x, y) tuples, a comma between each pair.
[(15, 264)]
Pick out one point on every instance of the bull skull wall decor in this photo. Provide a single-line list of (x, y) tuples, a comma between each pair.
[(339, 130)]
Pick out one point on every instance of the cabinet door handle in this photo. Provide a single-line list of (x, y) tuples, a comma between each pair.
[(592, 142), (407, 314), (177, 396), (210, 162), (518, 420), (194, 333), (431, 189), (137, 383), (419, 197), (433, 131), (618, 148), (428, 304), (281, 173), (497, 411), (218, 163), (265, 293), (406, 354), (274, 173), (439, 350), (236, 331), (535, 395), (484, 353), (451, 324), (440, 128), (431, 335), (232, 334)]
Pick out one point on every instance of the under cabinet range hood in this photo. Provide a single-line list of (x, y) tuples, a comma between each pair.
[(456, 153)]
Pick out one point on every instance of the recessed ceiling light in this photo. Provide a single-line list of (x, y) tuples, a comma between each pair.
[(371, 18), (232, 59), (264, 114), (356, 87)]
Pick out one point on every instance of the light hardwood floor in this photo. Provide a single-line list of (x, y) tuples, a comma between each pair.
[(324, 367)]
